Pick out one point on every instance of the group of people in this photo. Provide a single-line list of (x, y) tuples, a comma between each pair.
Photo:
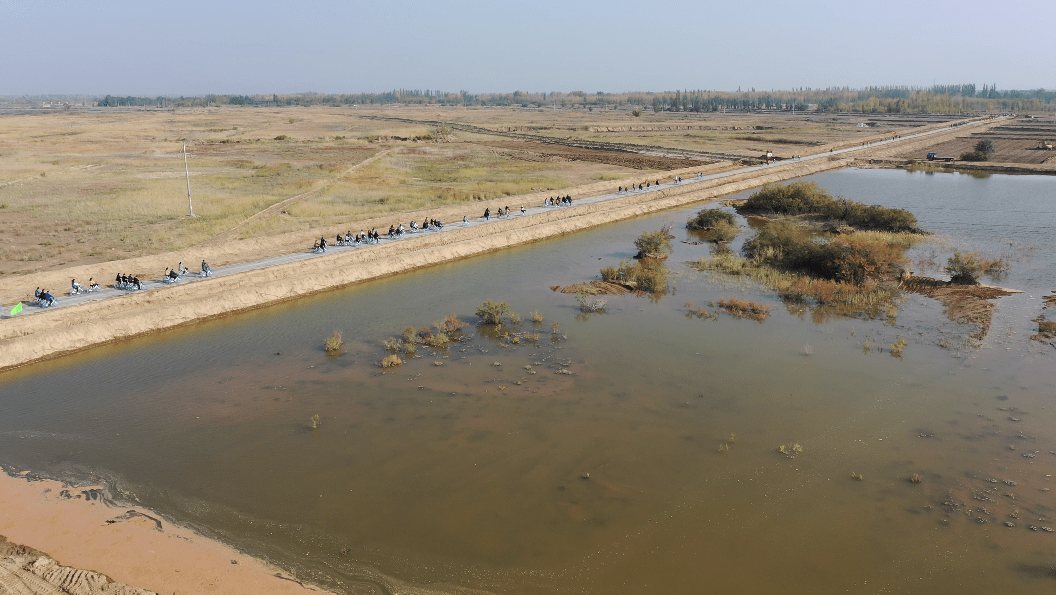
[(43, 298), (76, 287), (427, 225), (640, 187), (124, 281), (560, 201), (374, 236)]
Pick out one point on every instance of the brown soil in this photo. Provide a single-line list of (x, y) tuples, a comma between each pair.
[(966, 304), (538, 151), (1015, 141)]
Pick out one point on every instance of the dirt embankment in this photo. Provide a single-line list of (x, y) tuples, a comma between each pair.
[(24, 339)]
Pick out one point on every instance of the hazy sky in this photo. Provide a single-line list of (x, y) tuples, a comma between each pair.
[(193, 47)]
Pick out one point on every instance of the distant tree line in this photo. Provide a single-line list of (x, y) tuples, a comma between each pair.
[(949, 99)]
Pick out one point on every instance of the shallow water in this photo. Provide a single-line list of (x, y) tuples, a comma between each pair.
[(455, 477)]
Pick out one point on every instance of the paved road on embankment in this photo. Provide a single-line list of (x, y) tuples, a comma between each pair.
[(78, 321)]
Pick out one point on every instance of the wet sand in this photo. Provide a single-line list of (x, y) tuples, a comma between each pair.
[(80, 528)]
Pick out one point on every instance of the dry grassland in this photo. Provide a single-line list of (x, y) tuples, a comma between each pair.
[(98, 186)]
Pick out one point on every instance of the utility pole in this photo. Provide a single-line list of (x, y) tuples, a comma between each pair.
[(187, 170)]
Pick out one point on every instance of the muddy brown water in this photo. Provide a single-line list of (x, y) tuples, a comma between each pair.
[(471, 476)]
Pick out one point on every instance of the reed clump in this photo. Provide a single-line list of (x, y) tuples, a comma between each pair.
[(966, 268), (653, 244), (846, 274), (391, 361), (717, 226), (898, 346), (648, 275), (588, 305), (745, 309), (491, 312), (808, 199), (333, 343), (436, 336)]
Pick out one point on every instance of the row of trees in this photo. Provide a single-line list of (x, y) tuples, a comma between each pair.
[(936, 99)]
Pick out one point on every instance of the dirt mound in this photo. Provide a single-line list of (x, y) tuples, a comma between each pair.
[(24, 570)]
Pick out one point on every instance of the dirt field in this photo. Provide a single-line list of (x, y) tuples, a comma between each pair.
[(537, 151), (1014, 142)]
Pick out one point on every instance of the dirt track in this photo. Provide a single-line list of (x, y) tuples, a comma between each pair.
[(24, 339)]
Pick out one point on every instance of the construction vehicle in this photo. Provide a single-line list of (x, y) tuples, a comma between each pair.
[(1045, 145), (935, 157)]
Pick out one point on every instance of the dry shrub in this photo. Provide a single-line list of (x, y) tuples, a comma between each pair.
[(651, 276), (850, 259), (450, 324), (391, 361), (966, 268), (745, 309), (806, 198), (709, 218), (721, 232), (653, 244), (333, 343), (491, 313), (437, 341), (589, 305), (410, 338), (610, 274)]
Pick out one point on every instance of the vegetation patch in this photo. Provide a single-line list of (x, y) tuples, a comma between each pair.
[(966, 268), (849, 275), (744, 309), (654, 245), (491, 312), (1046, 329), (806, 199), (333, 343), (437, 337), (715, 225)]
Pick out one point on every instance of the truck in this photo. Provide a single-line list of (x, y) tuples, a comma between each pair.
[(935, 157)]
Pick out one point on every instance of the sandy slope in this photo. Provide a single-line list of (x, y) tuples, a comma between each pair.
[(136, 549)]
